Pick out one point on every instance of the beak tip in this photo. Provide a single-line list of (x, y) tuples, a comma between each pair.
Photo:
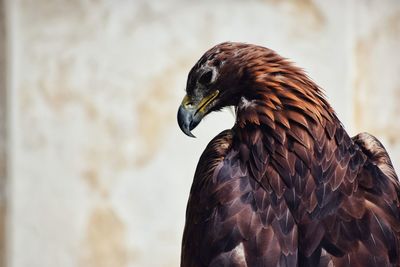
[(187, 131), (190, 134)]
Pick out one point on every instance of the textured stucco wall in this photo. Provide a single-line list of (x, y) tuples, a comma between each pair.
[(100, 170)]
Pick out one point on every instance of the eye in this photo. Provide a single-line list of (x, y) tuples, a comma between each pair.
[(206, 77), (217, 63)]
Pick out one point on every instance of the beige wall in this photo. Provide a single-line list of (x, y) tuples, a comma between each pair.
[(99, 170)]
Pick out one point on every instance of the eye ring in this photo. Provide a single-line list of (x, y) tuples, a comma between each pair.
[(206, 77)]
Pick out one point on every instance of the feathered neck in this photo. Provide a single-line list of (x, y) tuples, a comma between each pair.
[(281, 93)]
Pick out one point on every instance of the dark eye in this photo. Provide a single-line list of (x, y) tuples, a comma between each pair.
[(217, 63), (206, 77)]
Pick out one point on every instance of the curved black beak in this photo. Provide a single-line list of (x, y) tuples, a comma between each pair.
[(186, 120)]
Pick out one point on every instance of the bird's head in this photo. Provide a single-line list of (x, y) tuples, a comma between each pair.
[(214, 82)]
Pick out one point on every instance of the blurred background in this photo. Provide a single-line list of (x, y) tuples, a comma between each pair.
[(94, 171)]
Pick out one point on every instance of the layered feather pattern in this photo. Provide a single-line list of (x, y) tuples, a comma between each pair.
[(287, 186)]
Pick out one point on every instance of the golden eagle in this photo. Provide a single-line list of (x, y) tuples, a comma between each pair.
[(286, 186)]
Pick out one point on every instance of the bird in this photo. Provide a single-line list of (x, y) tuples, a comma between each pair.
[(286, 185)]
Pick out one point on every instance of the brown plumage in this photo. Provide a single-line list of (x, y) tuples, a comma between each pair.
[(286, 186)]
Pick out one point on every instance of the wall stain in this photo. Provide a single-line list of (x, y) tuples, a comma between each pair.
[(390, 131), (59, 99), (364, 64), (104, 244), (91, 177), (308, 10), (157, 112), (58, 93)]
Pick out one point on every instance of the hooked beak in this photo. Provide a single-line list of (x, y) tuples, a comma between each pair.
[(190, 113)]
